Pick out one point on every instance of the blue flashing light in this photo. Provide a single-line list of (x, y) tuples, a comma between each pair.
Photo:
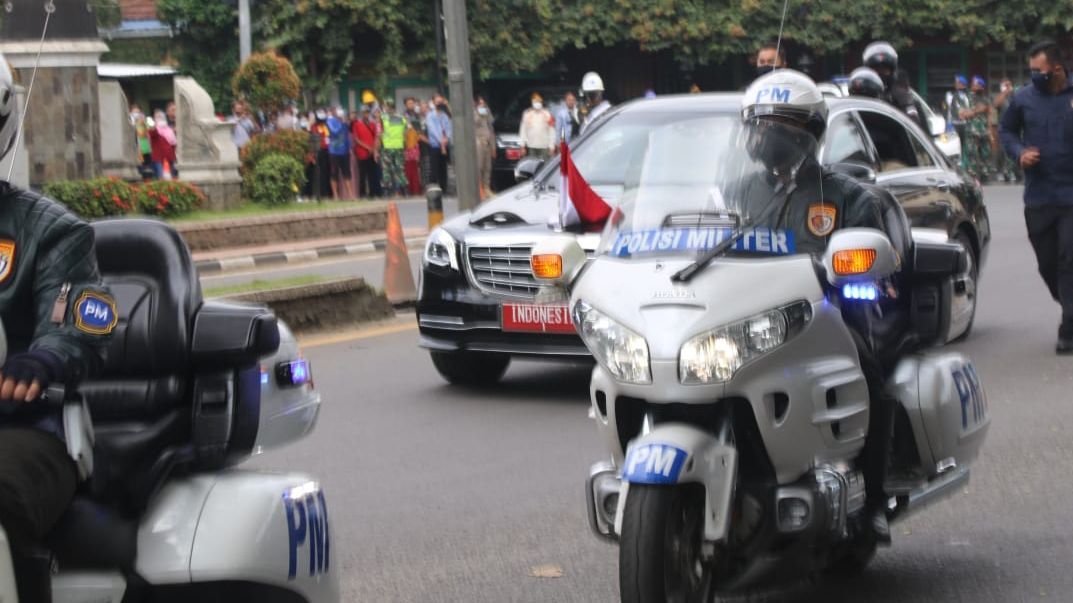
[(864, 292)]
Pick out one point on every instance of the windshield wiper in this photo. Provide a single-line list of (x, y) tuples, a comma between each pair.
[(686, 274)]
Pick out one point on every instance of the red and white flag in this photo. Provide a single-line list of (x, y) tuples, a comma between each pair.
[(578, 203)]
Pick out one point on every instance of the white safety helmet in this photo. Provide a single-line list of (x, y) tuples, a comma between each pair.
[(592, 82), (9, 115), (789, 94)]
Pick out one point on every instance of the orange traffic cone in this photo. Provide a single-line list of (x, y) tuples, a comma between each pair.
[(166, 171), (398, 277)]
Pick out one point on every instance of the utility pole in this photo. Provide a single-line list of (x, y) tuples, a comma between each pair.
[(243, 30), (460, 83), (437, 20)]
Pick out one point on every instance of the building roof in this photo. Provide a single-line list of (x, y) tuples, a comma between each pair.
[(137, 10), (130, 71)]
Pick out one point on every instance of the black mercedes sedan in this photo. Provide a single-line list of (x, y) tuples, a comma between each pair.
[(476, 304)]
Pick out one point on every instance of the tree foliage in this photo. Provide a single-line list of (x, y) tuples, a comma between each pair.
[(206, 40), (326, 38), (267, 81)]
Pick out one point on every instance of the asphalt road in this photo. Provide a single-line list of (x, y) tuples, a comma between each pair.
[(446, 494)]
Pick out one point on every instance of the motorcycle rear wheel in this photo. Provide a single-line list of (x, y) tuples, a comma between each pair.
[(660, 545)]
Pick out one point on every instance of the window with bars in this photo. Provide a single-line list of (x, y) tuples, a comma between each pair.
[(1003, 65)]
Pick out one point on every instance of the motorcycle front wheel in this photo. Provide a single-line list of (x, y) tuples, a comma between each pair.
[(660, 546)]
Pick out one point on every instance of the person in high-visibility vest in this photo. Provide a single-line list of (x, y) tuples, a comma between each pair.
[(392, 159)]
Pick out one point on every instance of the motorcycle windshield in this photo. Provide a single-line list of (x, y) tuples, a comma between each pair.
[(698, 180)]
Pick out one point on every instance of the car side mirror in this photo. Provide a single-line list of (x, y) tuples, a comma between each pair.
[(557, 260), (937, 125), (527, 168), (857, 171), (859, 256)]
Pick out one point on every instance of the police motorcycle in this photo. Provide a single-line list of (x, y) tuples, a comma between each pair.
[(728, 389), (190, 389)]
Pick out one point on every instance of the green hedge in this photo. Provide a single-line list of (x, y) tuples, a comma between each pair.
[(293, 143), (276, 180), (104, 197)]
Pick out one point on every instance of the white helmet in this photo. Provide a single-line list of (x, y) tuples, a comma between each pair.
[(592, 82), (787, 93), (9, 115)]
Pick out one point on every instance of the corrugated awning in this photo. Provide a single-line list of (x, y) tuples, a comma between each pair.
[(129, 70)]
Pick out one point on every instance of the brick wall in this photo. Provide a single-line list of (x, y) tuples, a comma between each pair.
[(138, 9)]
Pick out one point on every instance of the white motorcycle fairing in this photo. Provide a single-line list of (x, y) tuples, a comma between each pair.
[(280, 534)]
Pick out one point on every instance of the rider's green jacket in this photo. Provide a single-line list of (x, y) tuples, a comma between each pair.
[(51, 294)]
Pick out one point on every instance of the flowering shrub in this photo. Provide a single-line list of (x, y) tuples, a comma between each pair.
[(267, 81), (277, 179), (97, 198), (169, 198), (104, 197)]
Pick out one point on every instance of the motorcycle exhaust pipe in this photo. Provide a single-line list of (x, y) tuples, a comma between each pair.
[(941, 487)]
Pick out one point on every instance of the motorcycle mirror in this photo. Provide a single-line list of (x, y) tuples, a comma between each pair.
[(937, 125), (857, 171), (527, 168), (557, 260), (859, 255)]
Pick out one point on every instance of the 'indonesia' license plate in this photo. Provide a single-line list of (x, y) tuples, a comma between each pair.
[(537, 318)]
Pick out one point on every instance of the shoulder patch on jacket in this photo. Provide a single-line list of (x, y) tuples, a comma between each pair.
[(95, 313), (7, 258)]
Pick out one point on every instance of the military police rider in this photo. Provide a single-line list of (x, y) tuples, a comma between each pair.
[(785, 116), (592, 87), (883, 59), (57, 317)]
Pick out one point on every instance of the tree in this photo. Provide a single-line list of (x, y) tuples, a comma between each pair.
[(267, 81), (206, 40)]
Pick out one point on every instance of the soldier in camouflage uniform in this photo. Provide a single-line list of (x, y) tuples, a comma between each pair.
[(1005, 169), (979, 127)]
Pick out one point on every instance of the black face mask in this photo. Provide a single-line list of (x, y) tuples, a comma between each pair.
[(1042, 80), (779, 146), (762, 70)]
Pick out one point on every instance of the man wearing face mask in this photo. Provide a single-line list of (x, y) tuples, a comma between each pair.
[(1036, 132), (537, 131), (592, 86), (769, 58)]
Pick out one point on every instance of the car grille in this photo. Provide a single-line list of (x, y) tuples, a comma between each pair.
[(503, 269)]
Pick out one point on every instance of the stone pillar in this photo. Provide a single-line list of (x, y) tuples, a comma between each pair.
[(207, 156), (20, 176), (119, 141)]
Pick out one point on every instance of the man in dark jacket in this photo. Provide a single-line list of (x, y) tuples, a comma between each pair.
[(1037, 132), (57, 318)]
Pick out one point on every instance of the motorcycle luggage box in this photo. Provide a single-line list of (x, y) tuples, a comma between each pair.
[(947, 408)]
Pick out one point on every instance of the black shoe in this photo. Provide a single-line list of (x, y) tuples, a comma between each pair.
[(1064, 346), (880, 528)]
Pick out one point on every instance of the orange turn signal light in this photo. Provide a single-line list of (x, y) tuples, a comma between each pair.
[(853, 261), (547, 265)]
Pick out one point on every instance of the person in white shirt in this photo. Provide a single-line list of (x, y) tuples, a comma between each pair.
[(537, 131), (592, 86)]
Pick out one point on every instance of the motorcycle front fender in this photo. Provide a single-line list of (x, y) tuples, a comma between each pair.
[(678, 453)]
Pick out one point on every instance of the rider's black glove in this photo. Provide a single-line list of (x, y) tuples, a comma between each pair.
[(39, 365)]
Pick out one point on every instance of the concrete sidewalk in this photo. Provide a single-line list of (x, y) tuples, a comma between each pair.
[(241, 258)]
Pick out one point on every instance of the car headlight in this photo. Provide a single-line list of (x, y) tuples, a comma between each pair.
[(715, 356), (441, 249), (619, 350)]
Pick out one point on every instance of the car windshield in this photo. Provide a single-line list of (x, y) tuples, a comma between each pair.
[(682, 183)]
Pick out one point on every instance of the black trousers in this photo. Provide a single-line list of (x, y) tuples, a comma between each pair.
[(438, 166), (367, 180), (37, 482), (1050, 230)]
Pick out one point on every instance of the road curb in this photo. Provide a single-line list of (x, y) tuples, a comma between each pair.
[(302, 255)]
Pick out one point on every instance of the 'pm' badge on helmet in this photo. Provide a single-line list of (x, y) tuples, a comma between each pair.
[(821, 219), (7, 258), (95, 313)]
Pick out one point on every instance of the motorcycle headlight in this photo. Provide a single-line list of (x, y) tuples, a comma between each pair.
[(715, 356), (619, 350), (441, 249)]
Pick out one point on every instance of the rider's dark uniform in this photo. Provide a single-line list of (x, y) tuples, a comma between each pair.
[(812, 205), (57, 317)]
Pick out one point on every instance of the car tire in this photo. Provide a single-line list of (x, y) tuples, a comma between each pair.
[(470, 368), (974, 276)]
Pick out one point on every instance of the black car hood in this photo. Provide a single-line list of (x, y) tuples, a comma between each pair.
[(522, 204)]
